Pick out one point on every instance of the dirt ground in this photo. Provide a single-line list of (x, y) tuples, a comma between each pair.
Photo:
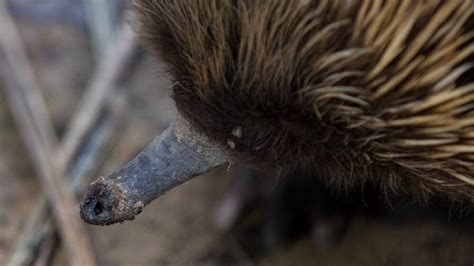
[(180, 227)]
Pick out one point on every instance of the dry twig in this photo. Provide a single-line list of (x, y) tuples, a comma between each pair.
[(39, 228), (118, 62), (30, 113), (100, 19)]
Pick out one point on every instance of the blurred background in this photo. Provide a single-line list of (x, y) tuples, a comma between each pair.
[(73, 75)]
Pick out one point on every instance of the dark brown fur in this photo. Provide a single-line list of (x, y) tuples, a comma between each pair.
[(353, 91)]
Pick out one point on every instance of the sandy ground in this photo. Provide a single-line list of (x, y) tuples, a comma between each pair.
[(179, 228)]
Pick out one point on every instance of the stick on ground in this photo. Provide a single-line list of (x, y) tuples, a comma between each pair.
[(83, 122), (115, 65), (37, 132)]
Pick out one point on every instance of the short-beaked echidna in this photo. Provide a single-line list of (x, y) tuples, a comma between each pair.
[(354, 91)]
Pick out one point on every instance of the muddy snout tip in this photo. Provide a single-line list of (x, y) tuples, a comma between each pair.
[(106, 203)]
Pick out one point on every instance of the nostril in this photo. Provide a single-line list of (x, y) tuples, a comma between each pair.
[(98, 208)]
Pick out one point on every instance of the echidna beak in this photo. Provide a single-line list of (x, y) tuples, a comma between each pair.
[(176, 156)]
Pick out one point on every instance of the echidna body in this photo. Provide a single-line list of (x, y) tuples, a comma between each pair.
[(352, 91)]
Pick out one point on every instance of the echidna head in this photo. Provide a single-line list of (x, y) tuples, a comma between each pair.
[(354, 93), (246, 79)]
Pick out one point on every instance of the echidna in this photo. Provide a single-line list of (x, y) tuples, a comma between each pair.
[(354, 91)]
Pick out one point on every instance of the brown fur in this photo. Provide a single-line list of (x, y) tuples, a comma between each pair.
[(353, 91)]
